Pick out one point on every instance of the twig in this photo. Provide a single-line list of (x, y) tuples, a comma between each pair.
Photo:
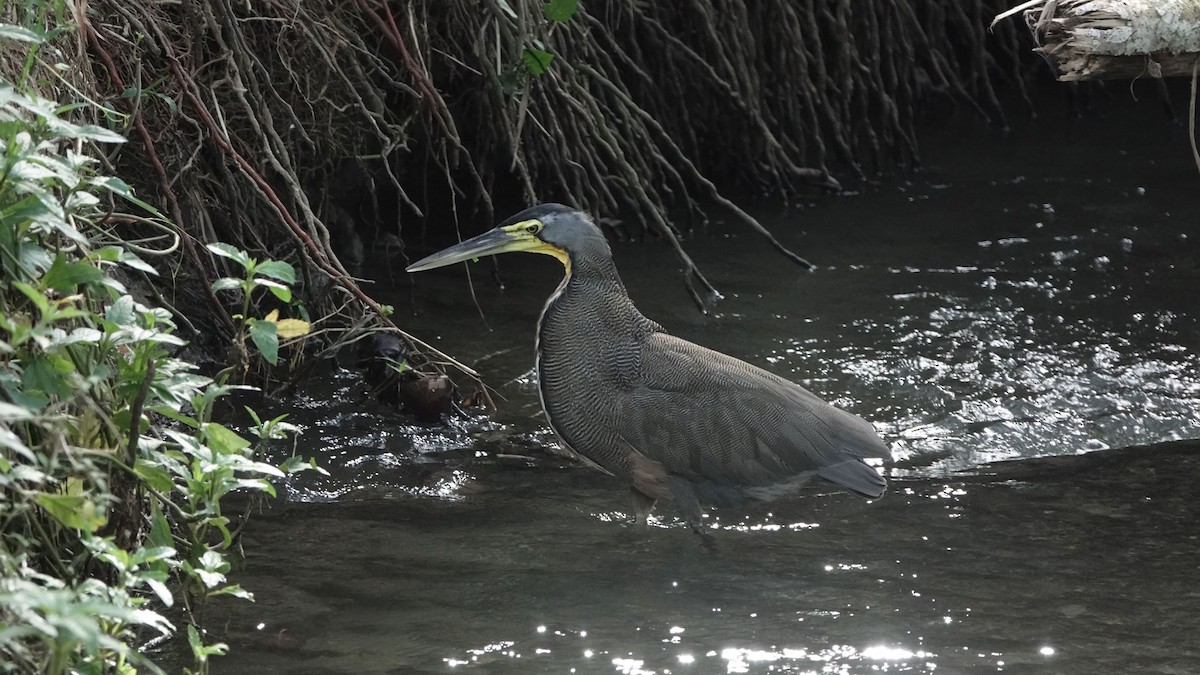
[(1192, 114), (135, 412), (1015, 10)]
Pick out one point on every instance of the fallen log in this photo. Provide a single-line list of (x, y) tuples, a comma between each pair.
[(1114, 39)]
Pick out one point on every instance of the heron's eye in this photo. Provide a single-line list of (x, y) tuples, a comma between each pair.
[(533, 228)]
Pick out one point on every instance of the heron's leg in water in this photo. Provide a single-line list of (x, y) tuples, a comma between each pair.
[(642, 505), (649, 482), (688, 503)]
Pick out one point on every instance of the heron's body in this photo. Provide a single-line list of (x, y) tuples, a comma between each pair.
[(668, 416)]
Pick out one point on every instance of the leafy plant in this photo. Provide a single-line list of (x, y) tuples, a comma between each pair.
[(113, 471), (536, 57), (275, 276), (560, 10)]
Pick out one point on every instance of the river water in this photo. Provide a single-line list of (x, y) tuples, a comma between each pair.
[(1018, 319)]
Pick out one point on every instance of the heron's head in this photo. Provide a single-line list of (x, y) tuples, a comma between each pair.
[(552, 229)]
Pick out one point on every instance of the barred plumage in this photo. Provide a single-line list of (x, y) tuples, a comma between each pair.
[(672, 418)]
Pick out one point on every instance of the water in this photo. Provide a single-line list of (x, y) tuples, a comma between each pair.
[(1029, 298), (1061, 567)]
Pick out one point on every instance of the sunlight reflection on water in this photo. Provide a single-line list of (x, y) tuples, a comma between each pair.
[(957, 381), (992, 324), (833, 659)]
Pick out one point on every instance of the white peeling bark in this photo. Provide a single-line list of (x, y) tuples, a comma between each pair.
[(1100, 39), (1132, 27)]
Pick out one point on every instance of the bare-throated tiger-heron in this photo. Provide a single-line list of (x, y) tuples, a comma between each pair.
[(674, 419)]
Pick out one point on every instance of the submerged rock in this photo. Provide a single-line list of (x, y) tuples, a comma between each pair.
[(383, 360)]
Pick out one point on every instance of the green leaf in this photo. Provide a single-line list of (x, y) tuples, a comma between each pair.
[(226, 283), (152, 554), (63, 314), (31, 210), (160, 529), (160, 589), (11, 442), (560, 10), (155, 476), (73, 511), (131, 260), (91, 132), (282, 292), (196, 644), (511, 81), (20, 34), (201, 651), (30, 400), (257, 484), (65, 277), (35, 296), (254, 415), (114, 185), (167, 411), (226, 251), (170, 101), (33, 257), (61, 338), (122, 312), (42, 375), (222, 525), (536, 61), (241, 463), (111, 554), (293, 464), (107, 254), (210, 570), (214, 560), (120, 187), (296, 464), (234, 590), (224, 440), (278, 269), (266, 339)]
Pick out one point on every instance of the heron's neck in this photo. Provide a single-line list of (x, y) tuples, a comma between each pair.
[(592, 298), (591, 261)]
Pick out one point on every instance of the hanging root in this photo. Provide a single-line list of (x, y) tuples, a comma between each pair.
[(247, 117), (288, 127)]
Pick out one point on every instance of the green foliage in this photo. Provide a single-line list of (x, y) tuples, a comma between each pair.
[(273, 275), (536, 57), (201, 651), (537, 61), (112, 469), (560, 10)]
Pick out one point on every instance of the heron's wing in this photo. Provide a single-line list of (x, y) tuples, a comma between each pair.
[(717, 419)]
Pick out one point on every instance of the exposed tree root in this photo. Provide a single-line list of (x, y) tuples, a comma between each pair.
[(255, 121)]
